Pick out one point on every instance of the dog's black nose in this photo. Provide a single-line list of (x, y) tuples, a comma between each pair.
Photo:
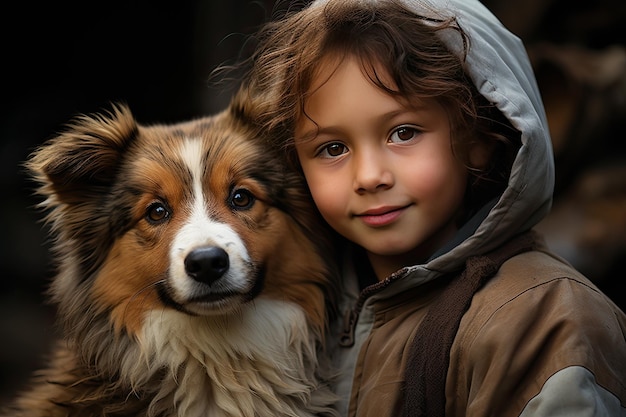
[(207, 264)]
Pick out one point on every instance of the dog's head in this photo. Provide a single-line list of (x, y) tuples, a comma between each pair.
[(200, 217)]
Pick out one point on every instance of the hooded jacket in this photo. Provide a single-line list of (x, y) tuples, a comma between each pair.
[(538, 339)]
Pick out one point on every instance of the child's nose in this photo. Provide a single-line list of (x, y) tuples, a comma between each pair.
[(371, 172)]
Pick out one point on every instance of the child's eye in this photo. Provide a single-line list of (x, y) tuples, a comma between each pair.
[(403, 134), (332, 150)]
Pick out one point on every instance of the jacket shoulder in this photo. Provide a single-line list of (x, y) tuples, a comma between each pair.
[(536, 317)]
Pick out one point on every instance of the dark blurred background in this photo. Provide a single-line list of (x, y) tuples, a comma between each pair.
[(60, 59)]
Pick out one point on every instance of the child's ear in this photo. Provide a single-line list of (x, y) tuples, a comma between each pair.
[(480, 153)]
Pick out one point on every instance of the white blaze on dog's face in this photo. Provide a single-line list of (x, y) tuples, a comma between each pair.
[(208, 259)]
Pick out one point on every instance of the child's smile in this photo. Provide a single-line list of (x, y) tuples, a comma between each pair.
[(382, 173), (382, 216)]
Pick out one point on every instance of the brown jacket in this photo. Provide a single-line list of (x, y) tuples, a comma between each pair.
[(535, 324)]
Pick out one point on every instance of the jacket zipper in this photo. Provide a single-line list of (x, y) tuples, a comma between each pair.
[(352, 315)]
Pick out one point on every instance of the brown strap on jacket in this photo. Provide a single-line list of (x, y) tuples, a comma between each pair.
[(428, 361)]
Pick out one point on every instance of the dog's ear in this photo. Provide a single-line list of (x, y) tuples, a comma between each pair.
[(75, 172), (83, 160), (256, 107), (244, 109)]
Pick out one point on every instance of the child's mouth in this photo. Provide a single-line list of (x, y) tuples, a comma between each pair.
[(382, 216)]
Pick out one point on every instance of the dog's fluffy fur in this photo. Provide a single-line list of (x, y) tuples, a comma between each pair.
[(189, 282)]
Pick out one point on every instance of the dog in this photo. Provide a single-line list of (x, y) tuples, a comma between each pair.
[(192, 274)]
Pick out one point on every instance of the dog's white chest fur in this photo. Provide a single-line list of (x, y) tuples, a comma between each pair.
[(232, 365)]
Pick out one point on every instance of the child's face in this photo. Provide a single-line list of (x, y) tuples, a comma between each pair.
[(382, 174)]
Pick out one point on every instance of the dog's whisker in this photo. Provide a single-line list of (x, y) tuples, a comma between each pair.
[(144, 292)]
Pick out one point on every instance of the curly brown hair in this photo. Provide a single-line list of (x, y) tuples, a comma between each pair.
[(381, 34)]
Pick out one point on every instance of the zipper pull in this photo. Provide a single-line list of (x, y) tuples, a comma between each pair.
[(349, 323)]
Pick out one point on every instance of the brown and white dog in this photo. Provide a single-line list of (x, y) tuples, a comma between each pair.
[(190, 282)]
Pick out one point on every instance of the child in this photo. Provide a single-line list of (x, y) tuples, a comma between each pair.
[(421, 134)]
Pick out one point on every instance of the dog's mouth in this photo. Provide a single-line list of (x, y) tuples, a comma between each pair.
[(215, 297)]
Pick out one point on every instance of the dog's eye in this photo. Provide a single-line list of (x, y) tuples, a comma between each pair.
[(241, 199), (157, 213)]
